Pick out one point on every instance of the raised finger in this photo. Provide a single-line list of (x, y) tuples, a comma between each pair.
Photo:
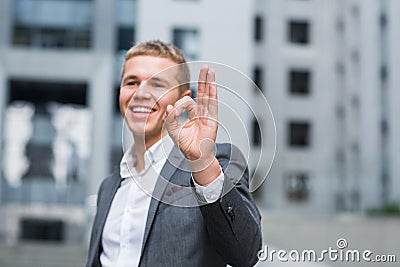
[(210, 79), (213, 96), (201, 84)]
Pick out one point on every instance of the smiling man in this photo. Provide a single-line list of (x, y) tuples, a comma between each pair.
[(178, 199)]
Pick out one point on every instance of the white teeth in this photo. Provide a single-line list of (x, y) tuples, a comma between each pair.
[(141, 109)]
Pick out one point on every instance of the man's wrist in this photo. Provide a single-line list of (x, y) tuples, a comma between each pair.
[(205, 172), (211, 192)]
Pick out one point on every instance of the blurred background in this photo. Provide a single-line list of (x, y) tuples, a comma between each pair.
[(328, 68)]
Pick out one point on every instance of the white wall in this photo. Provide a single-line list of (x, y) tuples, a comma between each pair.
[(394, 98), (279, 57)]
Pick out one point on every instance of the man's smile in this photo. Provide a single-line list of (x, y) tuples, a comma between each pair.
[(142, 109)]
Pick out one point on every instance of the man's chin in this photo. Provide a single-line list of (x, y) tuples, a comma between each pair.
[(142, 131), (139, 132)]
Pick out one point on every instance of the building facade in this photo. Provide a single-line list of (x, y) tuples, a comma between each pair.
[(328, 70)]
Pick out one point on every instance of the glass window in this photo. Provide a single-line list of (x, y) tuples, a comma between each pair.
[(299, 134), (126, 37), (384, 73), (39, 229), (258, 28), (297, 186), (54, 24), (299, 82), (299, 32), (187, 40), (41, 93), (47, 133), (258, 77), (126, 21)]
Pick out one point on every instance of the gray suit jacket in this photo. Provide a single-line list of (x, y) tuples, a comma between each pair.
[(227, 231)]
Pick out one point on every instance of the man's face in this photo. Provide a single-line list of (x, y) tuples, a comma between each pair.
[(146, 91)]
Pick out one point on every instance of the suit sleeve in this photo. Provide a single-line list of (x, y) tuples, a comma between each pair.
[(234, 222)]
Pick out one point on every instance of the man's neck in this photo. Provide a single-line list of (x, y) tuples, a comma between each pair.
[(142, 144)]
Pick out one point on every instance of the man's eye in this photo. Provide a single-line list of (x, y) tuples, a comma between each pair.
[(132, 83), (157, 85)]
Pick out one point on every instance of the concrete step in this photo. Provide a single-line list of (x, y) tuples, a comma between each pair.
[(42, 255)]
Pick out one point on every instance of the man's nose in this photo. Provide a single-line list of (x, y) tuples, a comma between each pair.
[(143, 92)]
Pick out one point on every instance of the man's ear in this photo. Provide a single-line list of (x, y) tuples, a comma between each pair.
[(186, 93)]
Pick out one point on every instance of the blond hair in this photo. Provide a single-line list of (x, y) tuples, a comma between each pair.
[(157, 48)]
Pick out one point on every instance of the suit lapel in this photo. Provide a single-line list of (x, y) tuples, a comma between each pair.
[(103, 209), (174, 161)]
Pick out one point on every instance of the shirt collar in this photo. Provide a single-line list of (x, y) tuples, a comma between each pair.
[(156, 153)]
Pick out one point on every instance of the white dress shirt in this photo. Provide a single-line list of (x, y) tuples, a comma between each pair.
[(126, 221)]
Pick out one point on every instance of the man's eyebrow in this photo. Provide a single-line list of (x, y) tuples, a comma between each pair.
[(130, 76)]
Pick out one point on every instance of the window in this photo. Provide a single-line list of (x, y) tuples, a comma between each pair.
[(258, 28), (340, 25), (355, 101), (384, 73), (54, 24), (299, 134), (297, 186), (384, 127), (299, 82), (45, 230), (126, 15), (256, 133), (51, 37), (383, 21), (299, 32), (40, 157), (188, 41), (340, 111), (126, 37), (355, 55), (340, 68), (258, 77), (49, 124), (41, 93), (355, 10)]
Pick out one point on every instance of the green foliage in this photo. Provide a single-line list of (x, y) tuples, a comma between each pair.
[(391, 209)]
